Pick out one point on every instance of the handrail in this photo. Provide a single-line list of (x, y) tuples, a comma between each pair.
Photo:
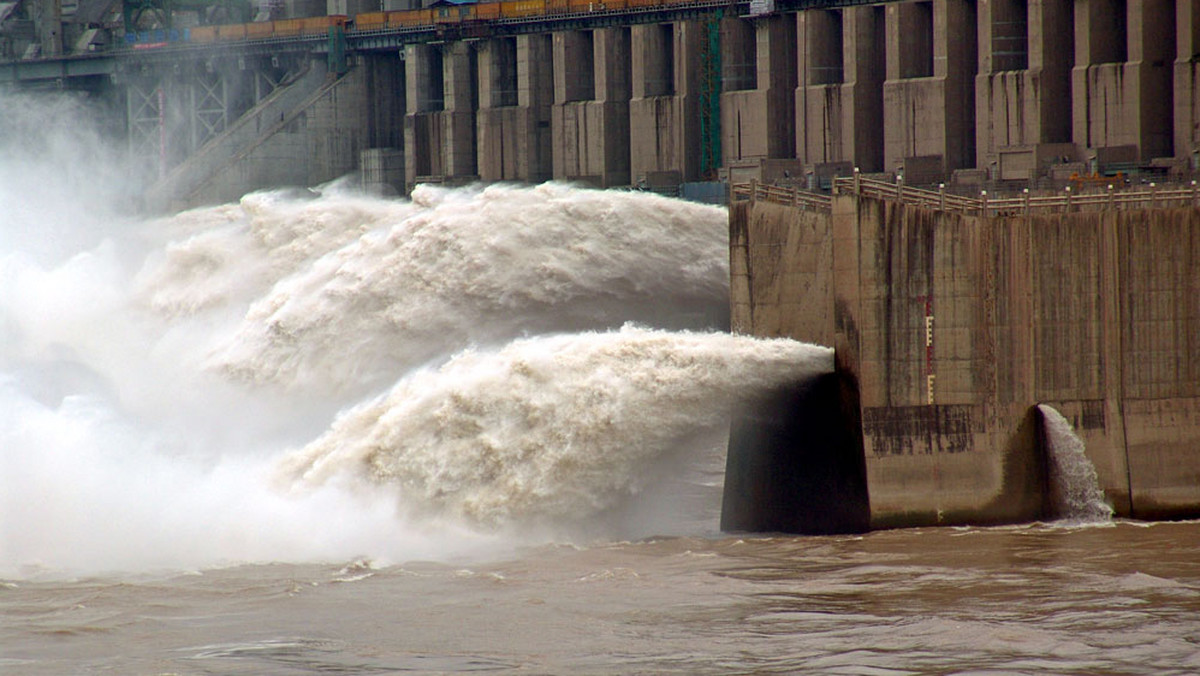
[(804, 199), (1149, 197)]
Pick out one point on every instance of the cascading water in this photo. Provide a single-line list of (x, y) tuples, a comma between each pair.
[(1075, 489), (312, 375)]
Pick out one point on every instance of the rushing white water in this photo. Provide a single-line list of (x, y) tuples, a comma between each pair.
[(319, 375), (551, 428), (361, 290), (1075, 488)]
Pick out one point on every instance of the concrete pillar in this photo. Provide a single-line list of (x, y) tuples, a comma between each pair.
[(515, 86), (758, 121), (535, 92), (590, 116), (663, 113), (497, 118), (1022, 91), (424, 98), (1122, 90), (439, 129), (458, 144), (929, 95), (839, 99)]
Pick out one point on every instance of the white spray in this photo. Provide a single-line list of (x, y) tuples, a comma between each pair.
[(551, 429), (1074, 484), (474, 267), (155, 376)]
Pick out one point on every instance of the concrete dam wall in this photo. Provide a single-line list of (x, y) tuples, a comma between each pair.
[(950, 328)]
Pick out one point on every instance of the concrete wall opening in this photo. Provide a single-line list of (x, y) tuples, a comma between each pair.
[(1158, 57), (1108, 31), (796, 464), (1057, 47), (1010, 35), (659, 59), (579, 66), (870, 70), (739, 55), (916, 45), (825, 59), (434, 96), (503, 67)]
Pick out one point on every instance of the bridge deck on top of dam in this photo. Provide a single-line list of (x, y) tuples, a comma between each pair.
[(973, 95), (952, 320), (106, 62)]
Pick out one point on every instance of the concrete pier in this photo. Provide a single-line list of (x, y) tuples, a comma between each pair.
[(1023, 89), (589, 119), (664, 111), (516, 88), (758, 121)]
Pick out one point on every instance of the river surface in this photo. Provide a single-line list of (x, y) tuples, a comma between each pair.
[(1037, 599), (478, 430)]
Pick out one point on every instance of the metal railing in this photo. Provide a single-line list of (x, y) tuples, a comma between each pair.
[(805, 199), (1151, 196)]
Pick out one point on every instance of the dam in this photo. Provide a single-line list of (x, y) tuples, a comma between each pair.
[(214, 101), (952, 320)]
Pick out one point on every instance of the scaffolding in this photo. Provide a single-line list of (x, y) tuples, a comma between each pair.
[(710, 96)]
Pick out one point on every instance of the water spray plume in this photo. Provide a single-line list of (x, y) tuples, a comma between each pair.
[(549, 428), (1074, 487), (158, 376)]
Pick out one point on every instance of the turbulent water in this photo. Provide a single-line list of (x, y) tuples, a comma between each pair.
[(222, 385), (315, 375), (479, 430)]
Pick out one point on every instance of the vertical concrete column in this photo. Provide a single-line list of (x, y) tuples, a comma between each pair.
[(1187, 82), (458, 70), (1122, 81), (1101, 44), (513, 122), (590, 117), (424, 99), (499, 136), (613, 91), (820, 73), (574, 86), (929, 95), (758, 120), (535, 93), (663, 111), (839, 99), (1022, 91), (865, 68)]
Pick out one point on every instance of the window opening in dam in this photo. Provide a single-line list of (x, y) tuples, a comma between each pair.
[(739, 55), (916, 23), (1010, 35), (825, 38)]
